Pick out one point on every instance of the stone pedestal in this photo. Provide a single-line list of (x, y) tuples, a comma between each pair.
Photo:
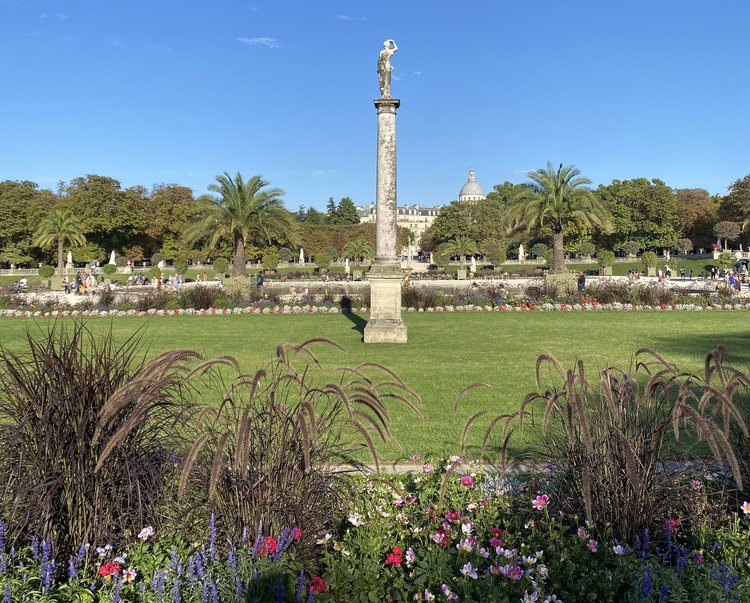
[(386, 275)]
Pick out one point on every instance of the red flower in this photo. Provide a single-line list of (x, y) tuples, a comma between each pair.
[(672, 524), (296, 533), (497, 532), (396, 550), (270, 545), (394, 557), (317, 585), (109, 568)]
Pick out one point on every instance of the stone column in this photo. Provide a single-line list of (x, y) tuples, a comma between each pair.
[(385, 276)]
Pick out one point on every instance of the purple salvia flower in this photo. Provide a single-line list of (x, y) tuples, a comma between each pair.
[(118, 587), (35, 548), (47, 567), (255, 576), (232, 563), (664, 593), (3, 562), (300, 587), (176, 591), (2, 536), (310, 596), (72, 568), (6, 594), (191, 570), (13, 552), (280, 598), (143, 591), (158, 583), (214, 592), (204, 593), (238, 590), (285, 541), (259, 541), (200, 563), (81, 554), (647, 584), (173, 560)]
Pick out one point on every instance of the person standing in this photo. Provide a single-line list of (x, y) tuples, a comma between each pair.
[(581, 282)]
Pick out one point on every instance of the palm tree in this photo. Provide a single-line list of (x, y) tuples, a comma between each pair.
[(461, 246), (59, 226), (244, 213), (557, 199), (359, 249)]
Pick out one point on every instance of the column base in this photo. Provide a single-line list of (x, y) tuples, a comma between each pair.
[(385, 330)]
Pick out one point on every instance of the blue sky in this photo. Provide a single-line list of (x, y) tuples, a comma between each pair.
[(152, 92)]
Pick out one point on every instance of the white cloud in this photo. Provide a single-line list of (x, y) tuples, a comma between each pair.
[(349, 18), (417, 72), (261, 41), (117, 42)]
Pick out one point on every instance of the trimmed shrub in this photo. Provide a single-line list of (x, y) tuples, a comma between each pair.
[(46, 271), (109, 269), (221, 265)]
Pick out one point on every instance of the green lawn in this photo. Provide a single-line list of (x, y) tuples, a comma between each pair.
[(447, 351)]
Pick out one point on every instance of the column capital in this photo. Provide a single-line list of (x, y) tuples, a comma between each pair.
[(386, 105)]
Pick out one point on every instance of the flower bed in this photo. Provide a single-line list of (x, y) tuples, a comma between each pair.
[(314, 309)]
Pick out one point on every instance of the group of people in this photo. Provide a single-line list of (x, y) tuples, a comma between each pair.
[(81, 284)]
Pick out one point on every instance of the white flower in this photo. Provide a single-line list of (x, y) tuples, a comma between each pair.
[(468, 570), (325, 539), (356, 519)]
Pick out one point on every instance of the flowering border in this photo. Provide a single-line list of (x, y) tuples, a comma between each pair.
[(278, 309)]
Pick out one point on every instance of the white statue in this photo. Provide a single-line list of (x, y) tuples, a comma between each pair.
[(521, 254), (301, 256), (112, 257), (385, 68)]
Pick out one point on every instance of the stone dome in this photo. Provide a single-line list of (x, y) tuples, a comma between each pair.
[(471, 191)]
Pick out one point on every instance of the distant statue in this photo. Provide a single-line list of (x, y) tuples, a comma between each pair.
[(385, 68)]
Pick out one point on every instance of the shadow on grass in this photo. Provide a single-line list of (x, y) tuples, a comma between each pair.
[(356, 319), (737, 344)]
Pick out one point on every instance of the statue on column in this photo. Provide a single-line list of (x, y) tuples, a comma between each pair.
[(385, 68)]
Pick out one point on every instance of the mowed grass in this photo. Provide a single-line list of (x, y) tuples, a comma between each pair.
[(445, 353)]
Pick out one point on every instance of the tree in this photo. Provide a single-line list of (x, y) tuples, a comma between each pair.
[(729, 231), (111, 217), (538, 250), (642, 210), (59, 226), (452, 221), (461, 246), (735, 207), (494, 251), (346, 212), (359, 249), (22, 207), (244, 213), (558, 199), (684, 246), (698, 214)]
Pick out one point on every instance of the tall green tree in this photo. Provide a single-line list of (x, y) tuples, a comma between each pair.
[(558, 199), (111, 216), (452, 221), (59, 226), (22, 206), (642, 210), (245, 213)]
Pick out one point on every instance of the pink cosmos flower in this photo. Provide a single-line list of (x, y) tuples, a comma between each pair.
[(593, 545), (582, 533), (129, 575), (146, 533), (696, 484), (745, 508), (540, 502), (426, 468), (467, 481), (515, 573), (468, 570), (453, 516)]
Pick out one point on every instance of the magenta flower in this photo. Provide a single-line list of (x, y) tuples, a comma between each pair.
[(540, 502), (745, 508), (146, 533), (467, 481), (582, 533), (515, 573), (593, 545), (453, 516), (696, 484), (469, 571)]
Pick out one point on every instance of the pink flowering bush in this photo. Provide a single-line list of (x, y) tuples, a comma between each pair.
[(420, 539)]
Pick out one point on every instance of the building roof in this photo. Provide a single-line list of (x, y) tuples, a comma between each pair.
[(471, 189)]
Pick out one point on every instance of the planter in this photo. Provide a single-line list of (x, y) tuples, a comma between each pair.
[(461, 272), (651, 270), (606, 271)]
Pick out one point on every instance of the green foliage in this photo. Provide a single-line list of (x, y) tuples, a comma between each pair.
[(642, 210), (586, 249), (729, 231), (684, 245), (323, 260), (630, 248), (158, 257), (559, 199), (494, 251), (605, 258), (726, 259), (181, 266), (538, 250), (46, 271), (649, 258), (221, 265), (461, 246), (344, 213), (243, 213), (359, 250), (270, 258), (59, 226), (285, 254), (452, 221), (109, 269)]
